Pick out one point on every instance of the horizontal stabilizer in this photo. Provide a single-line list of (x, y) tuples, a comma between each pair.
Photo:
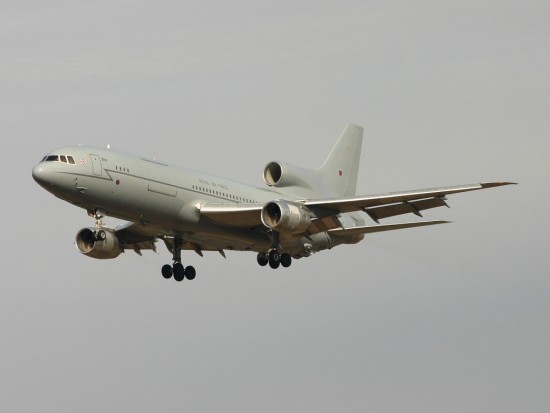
[(379, 228)]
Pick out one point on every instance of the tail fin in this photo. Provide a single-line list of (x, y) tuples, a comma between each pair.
[(341, 167)]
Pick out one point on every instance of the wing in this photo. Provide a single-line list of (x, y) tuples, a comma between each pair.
[(324, 213), (325, 210), (137, 237), (391, 204)]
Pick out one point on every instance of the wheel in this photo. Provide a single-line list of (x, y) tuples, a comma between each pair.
[(263, 259), (190, 272), (167, 271), (274, 259), (286, 260), (179, 272), (101, 235)]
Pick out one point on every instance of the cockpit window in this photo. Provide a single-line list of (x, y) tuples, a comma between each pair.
[(59, 158)]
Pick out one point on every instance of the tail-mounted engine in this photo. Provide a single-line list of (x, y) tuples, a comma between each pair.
[(280, 175), (286, 217), (99, 243)]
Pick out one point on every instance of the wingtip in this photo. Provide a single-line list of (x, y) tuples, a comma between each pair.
[(493, 184)]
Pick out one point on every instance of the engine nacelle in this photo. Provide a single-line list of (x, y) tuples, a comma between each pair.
[(96, 243), (279, 175), (285, 216)]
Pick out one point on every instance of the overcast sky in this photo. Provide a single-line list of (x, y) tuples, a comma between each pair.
[(449, 318)]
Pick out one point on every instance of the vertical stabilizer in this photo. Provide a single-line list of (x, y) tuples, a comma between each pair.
[(341, 167)]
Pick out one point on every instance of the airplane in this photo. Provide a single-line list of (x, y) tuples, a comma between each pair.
[(300, 212)]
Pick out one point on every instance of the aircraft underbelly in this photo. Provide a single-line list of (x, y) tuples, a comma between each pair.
[(214, 237)]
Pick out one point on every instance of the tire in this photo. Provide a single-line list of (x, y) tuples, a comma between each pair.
[(179, 272), (274, 259), (286, 260), (190, 272), (263, 259), (167, 271)]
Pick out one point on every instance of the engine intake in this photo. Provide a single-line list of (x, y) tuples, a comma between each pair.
[(285, 216), (273, 173), (102, 244)]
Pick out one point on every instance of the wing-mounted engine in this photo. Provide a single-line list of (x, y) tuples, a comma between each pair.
[(98, 243), (285, 216)]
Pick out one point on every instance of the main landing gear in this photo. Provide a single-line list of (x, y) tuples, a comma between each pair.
[(274, 259), (177, 269)]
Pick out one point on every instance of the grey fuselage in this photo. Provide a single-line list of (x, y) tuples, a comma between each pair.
[(165, 198)]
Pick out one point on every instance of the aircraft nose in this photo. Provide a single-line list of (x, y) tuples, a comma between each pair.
[(40, 175)]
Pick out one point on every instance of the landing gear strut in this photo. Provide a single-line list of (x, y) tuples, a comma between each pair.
[(99, 234), (177, 269)]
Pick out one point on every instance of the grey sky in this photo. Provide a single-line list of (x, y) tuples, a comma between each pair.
[(450, 318)]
